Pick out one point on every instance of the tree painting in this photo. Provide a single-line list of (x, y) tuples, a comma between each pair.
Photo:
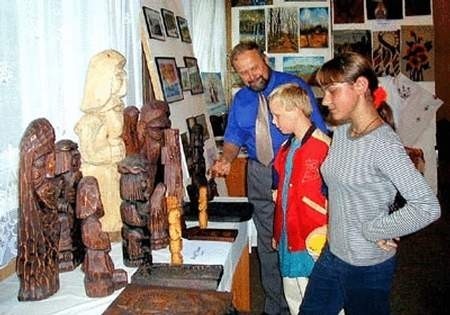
[(283, 30), (417, 52), (314, 27), (252, 26)]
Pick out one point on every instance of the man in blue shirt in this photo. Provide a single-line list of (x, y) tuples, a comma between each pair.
[(250, 62)]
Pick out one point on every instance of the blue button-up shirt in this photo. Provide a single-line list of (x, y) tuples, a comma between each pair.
[(240, 129)]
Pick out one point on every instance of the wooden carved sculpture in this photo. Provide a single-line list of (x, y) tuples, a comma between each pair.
[(68, 162), (153, 120), (129, 135), (38, 232), (158, 223), (203, 207), (175, 230), (100, 277), (173, 177), (197, 168), (100, 129), (134, 210), (171, 159)]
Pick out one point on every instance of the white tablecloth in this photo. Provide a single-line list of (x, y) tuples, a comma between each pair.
[(71, 297)]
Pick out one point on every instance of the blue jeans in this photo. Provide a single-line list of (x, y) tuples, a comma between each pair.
[(360, 290)]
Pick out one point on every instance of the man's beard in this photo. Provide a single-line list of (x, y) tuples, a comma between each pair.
[(259, 84)]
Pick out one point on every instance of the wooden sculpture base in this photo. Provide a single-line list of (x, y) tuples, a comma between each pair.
[(221, 211), (138, 299), (224, 235), (202, 277)]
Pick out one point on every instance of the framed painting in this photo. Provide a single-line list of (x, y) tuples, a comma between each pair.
[(154, 23), (169, 78), (184, 29), (194, 75), (185, 80), (170, 23)]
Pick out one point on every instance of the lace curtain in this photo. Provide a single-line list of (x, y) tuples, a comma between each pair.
[(45, 47), (207, 24)]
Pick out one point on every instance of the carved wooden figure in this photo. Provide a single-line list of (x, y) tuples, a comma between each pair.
[(158, 223), (175, 231), (130, 135), (197, 168), (171, 158), (100, 129), (135, 210), (38, 231), (154, 118), (68, 162), (203, 207), (173, 177), (100, 277)]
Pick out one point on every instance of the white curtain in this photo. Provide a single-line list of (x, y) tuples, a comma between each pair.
[(207, 24), (45, 47)]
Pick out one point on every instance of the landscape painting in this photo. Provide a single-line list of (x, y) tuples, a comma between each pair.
[(314, 25), (252, 26), (303, 66), (283, 30), (353, 40)]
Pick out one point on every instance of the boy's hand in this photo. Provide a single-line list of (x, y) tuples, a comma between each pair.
[(274, 244)]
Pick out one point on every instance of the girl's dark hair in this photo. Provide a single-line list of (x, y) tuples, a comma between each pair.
[(347, 67)]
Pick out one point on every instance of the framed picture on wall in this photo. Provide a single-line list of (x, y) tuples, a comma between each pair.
[(170, 23), (194, 75), (169, 78), (154, 23), (184, 29), (185, 80)]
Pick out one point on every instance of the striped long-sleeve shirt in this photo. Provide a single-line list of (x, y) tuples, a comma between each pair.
[(363, 175)]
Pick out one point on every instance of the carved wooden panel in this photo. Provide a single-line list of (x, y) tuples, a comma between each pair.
[(138, 299)]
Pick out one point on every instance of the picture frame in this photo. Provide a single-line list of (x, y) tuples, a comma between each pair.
[(194, 75), (169, 23), (184, 29), (169, 78), (154, 23), (185, 80)]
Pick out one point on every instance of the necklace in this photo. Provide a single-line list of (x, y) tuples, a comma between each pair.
[(356, 134)]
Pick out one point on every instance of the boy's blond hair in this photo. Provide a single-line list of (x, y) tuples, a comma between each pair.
[(290, 95)]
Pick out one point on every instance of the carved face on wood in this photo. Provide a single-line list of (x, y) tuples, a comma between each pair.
[(89, 200), (134, 179)]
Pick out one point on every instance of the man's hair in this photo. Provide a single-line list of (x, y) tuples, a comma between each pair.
[(290, 95), (243, 47)]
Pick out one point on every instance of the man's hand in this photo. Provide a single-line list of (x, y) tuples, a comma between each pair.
[(221, 167)]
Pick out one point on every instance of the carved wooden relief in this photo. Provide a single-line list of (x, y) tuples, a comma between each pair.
[(202, 277), (138, 299), (38, 233)]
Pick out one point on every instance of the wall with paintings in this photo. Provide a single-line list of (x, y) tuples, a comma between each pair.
[(175, 75), (397, 35)]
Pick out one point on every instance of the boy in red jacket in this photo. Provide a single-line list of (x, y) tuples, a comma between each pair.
[(300, 208)]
